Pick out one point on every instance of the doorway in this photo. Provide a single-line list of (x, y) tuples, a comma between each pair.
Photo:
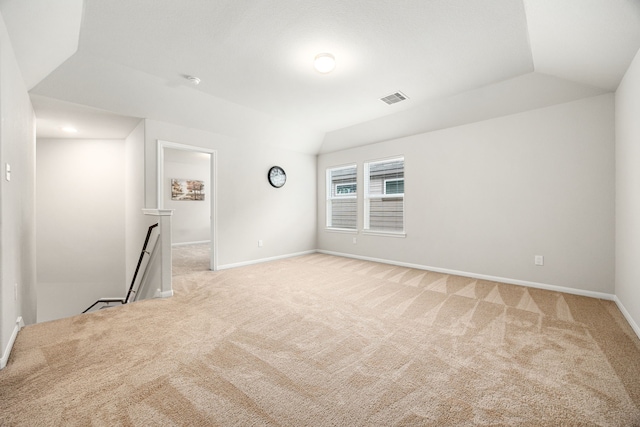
[(190, 191)]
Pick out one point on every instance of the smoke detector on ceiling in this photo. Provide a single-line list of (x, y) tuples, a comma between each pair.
[(194, 80), (394, 98)]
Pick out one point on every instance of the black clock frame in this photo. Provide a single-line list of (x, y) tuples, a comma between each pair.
[(270, 176)]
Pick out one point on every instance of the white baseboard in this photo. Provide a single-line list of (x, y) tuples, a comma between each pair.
[(259, 261), (574, 291), (163, 294), (14, 335), (582, 292), (627, 316), (201, 242)]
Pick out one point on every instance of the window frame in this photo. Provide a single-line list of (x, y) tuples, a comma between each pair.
[(330, 197), (393, 180), (338, 194), (384, 195)]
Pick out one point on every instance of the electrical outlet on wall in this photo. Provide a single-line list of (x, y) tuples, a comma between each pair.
[(259, 243), (539, 260)]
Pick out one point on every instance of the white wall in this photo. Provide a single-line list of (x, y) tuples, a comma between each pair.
[(628, 193), (136, 223), (80, 224), (248, 208), (191, 220), (484, 198), (17, 200)]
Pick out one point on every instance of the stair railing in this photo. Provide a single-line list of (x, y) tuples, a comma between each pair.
[(127, 299)]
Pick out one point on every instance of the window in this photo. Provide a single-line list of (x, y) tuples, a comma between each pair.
[(394, 186), (342, 198), (384, 196), (349, 188)]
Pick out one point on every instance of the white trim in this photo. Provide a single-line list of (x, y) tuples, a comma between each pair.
[(163, 294), (341, 230), (574, 291), (384, 233), (213, 260), (365, 195), (213, 256), (158, 212), (330, 197), (368, 196), (345, 166), (627, 316), (387, 159), (12, 340), (260, 261), (164, 240), (201, 242), (384, 186)]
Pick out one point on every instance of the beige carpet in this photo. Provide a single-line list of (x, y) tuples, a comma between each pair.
[(319, 340)]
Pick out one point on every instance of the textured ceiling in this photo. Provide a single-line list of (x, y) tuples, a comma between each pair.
[(458, 61)]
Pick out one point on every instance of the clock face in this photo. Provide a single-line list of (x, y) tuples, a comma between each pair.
[(277, 177)]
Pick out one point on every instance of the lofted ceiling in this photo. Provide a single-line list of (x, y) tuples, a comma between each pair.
[(458, 61)]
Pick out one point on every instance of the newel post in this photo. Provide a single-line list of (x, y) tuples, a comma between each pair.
[(164, 244)]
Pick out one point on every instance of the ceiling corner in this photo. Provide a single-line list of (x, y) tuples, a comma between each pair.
[(591, 44), (43, 34)]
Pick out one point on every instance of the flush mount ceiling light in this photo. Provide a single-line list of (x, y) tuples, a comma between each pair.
[(69, 129), (324, 63)]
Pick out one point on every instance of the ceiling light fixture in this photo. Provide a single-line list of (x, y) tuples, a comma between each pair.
[(69, 129), (324, 63)]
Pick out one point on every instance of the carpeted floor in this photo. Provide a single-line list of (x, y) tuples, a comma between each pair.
[(320, 340)]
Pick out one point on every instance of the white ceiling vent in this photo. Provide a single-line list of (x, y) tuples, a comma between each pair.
[(394, 97)]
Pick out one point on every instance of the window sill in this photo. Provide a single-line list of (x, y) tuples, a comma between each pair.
[(385, 233), (341, 230)]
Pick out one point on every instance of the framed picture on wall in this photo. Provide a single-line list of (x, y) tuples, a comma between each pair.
[(187, 189)]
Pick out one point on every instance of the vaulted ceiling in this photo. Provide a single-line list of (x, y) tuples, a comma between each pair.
[(458, 61)]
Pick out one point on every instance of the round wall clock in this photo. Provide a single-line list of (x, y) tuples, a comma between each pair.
[(277, 176)]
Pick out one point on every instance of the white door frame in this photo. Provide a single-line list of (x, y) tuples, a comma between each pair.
[(213, 262)]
